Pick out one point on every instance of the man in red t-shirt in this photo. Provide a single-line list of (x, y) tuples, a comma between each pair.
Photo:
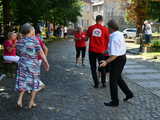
[(80, 44), (99, 38)]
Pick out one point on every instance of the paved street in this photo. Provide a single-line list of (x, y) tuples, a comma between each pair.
[(70, 94)]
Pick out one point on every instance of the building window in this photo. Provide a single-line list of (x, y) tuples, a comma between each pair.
[(95, 8)]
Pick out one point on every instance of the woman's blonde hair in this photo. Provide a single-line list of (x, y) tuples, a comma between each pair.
[(10, 34)]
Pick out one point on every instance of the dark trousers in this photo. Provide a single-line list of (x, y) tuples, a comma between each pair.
[(116, 78), (148, 38), (79, 50), (93, 58)]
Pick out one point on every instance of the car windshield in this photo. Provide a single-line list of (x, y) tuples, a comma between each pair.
[(131, 30)]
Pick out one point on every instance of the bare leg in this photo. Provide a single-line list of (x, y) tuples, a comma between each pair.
[(20, 99), (32, 100)]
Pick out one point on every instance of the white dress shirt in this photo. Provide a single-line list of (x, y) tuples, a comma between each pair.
[(117, 45)]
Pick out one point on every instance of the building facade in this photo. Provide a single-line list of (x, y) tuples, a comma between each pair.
[(87, 15), (110, 9), (115, 9), (98, 8)]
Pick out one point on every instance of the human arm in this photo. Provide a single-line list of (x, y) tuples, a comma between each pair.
[(42, 55), (77, 37), (45, 49), (44, 59), (104, 63), (117, 48)]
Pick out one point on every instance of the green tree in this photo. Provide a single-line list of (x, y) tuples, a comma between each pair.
[(29, 10), (64, 11), (57, 11), (140, 10), (6, 15), (154, 11), (137, 12)]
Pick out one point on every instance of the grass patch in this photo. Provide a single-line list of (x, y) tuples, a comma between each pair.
[(156, 34), (151, 55)]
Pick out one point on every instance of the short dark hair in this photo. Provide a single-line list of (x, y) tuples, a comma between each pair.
[(113, 25), (37, 31), (99, 18), (78, 29)]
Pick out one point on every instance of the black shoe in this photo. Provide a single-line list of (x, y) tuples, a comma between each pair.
[(96, 86), (128, 97), (112, 104)]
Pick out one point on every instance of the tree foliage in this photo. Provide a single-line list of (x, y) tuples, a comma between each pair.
[(22, 11), (57, 11), (140, 10), (154, 11)]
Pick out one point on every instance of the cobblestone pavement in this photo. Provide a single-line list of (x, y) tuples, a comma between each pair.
[(70, 94)]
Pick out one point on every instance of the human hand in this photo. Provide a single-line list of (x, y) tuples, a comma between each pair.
[(46, 66), (103, 63)]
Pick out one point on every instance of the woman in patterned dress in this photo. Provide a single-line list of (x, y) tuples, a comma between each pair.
[(28, 66)]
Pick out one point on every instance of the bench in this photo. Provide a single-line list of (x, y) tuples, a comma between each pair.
[(9, 68)]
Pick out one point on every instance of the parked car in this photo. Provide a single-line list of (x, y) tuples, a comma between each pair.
[(130, 32)]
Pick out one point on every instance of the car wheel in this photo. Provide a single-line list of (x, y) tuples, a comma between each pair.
[(125, 36)]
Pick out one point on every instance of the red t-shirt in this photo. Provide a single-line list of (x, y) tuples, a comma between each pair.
[(82, 42), (99, 38), (42, 44), (9, 44)]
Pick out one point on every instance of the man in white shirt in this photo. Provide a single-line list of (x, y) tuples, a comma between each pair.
[(117, 61), (147, 29)]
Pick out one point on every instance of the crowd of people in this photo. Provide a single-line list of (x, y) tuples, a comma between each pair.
[(61, 31), (28, 50), (107, 49), (107, 55)]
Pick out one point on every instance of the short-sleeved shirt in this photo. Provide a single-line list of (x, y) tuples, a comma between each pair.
[(9, 44), (117, 45), (82, 42), (99, 38)]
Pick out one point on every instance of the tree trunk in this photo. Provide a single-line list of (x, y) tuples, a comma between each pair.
[(141, 16), (6, 16)]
